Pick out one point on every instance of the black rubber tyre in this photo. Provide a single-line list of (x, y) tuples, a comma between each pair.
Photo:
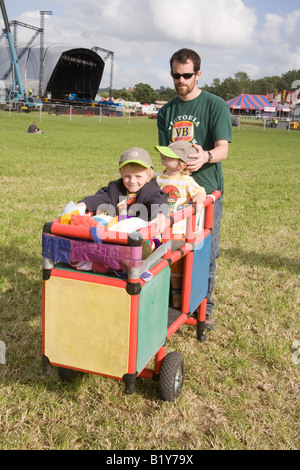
[(67, 374), (171, 376)]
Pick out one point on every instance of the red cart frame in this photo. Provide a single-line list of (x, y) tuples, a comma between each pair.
[(133, 294)]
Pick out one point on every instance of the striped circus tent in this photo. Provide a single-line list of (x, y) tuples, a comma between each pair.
[(251, 102), (281, 107), (109, 100), (119, 101)]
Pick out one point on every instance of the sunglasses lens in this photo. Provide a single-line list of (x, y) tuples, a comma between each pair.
[(186, 76)]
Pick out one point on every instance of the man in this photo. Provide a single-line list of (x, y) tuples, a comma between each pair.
[(204, 120), (33, 129)]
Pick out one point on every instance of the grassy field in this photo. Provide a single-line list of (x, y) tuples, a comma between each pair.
[(241, 388)]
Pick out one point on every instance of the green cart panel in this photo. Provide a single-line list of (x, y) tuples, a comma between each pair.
[(153, 317)]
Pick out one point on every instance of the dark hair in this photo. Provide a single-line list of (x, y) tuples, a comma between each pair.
[(183, 55)]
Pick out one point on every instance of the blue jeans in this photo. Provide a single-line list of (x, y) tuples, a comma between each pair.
[(215, 252)]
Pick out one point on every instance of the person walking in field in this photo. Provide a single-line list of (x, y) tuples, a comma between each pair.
[(202, 119)]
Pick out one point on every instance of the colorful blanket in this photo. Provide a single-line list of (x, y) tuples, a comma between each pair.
[(115, 257)]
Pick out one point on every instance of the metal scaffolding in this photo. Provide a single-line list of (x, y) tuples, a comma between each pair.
[(111, 55)]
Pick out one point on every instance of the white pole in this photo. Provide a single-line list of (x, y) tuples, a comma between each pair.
[(100, 114), (70, 113), (2, 352)]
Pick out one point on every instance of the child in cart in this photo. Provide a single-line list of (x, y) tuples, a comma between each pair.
[(181, 189), (135, 194)]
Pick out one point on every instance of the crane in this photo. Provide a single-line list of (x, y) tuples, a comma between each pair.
[(17, 98)]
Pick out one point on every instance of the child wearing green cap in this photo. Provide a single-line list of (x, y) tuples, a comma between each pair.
[(136, 193)]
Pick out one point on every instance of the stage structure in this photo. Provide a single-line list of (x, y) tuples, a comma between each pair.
[(38, 31), (78, 73), (66, 71), (111, 55), (42, 45), (14, 25), (58, 72)]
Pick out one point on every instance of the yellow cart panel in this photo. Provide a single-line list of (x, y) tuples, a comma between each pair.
[(87, 326)]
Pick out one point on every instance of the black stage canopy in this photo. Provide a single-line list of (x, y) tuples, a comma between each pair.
[(78, 71)]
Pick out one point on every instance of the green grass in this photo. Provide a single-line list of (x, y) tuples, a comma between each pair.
[(241, 389)]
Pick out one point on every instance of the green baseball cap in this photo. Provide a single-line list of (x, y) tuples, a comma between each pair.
[(180, 149), (136, 155)]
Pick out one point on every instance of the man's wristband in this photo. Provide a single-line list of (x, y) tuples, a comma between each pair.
[(209, 156)]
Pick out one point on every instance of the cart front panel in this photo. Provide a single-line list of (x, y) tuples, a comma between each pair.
[(86, 326)]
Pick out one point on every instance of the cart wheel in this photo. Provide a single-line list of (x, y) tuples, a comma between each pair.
[(67, 374), (171, 376)]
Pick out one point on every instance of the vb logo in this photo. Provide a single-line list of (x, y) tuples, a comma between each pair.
[(183, 130)]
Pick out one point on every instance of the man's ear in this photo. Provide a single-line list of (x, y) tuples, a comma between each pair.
[(198, 74)]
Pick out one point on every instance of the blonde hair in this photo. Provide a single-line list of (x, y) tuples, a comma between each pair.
[(138, 167), (184, 170)]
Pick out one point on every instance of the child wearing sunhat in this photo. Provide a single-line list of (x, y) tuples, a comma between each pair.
[(181, 189)]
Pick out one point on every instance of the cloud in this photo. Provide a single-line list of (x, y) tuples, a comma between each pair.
[(204, 23), (292, 22), (272, 29), (143, 34)]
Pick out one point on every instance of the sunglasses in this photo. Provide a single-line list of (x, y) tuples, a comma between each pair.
[(186, 76)]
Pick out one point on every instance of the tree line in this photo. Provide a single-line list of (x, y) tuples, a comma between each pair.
[(229, 88)]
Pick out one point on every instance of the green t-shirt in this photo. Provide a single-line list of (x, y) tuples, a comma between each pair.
[(202, 121)]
